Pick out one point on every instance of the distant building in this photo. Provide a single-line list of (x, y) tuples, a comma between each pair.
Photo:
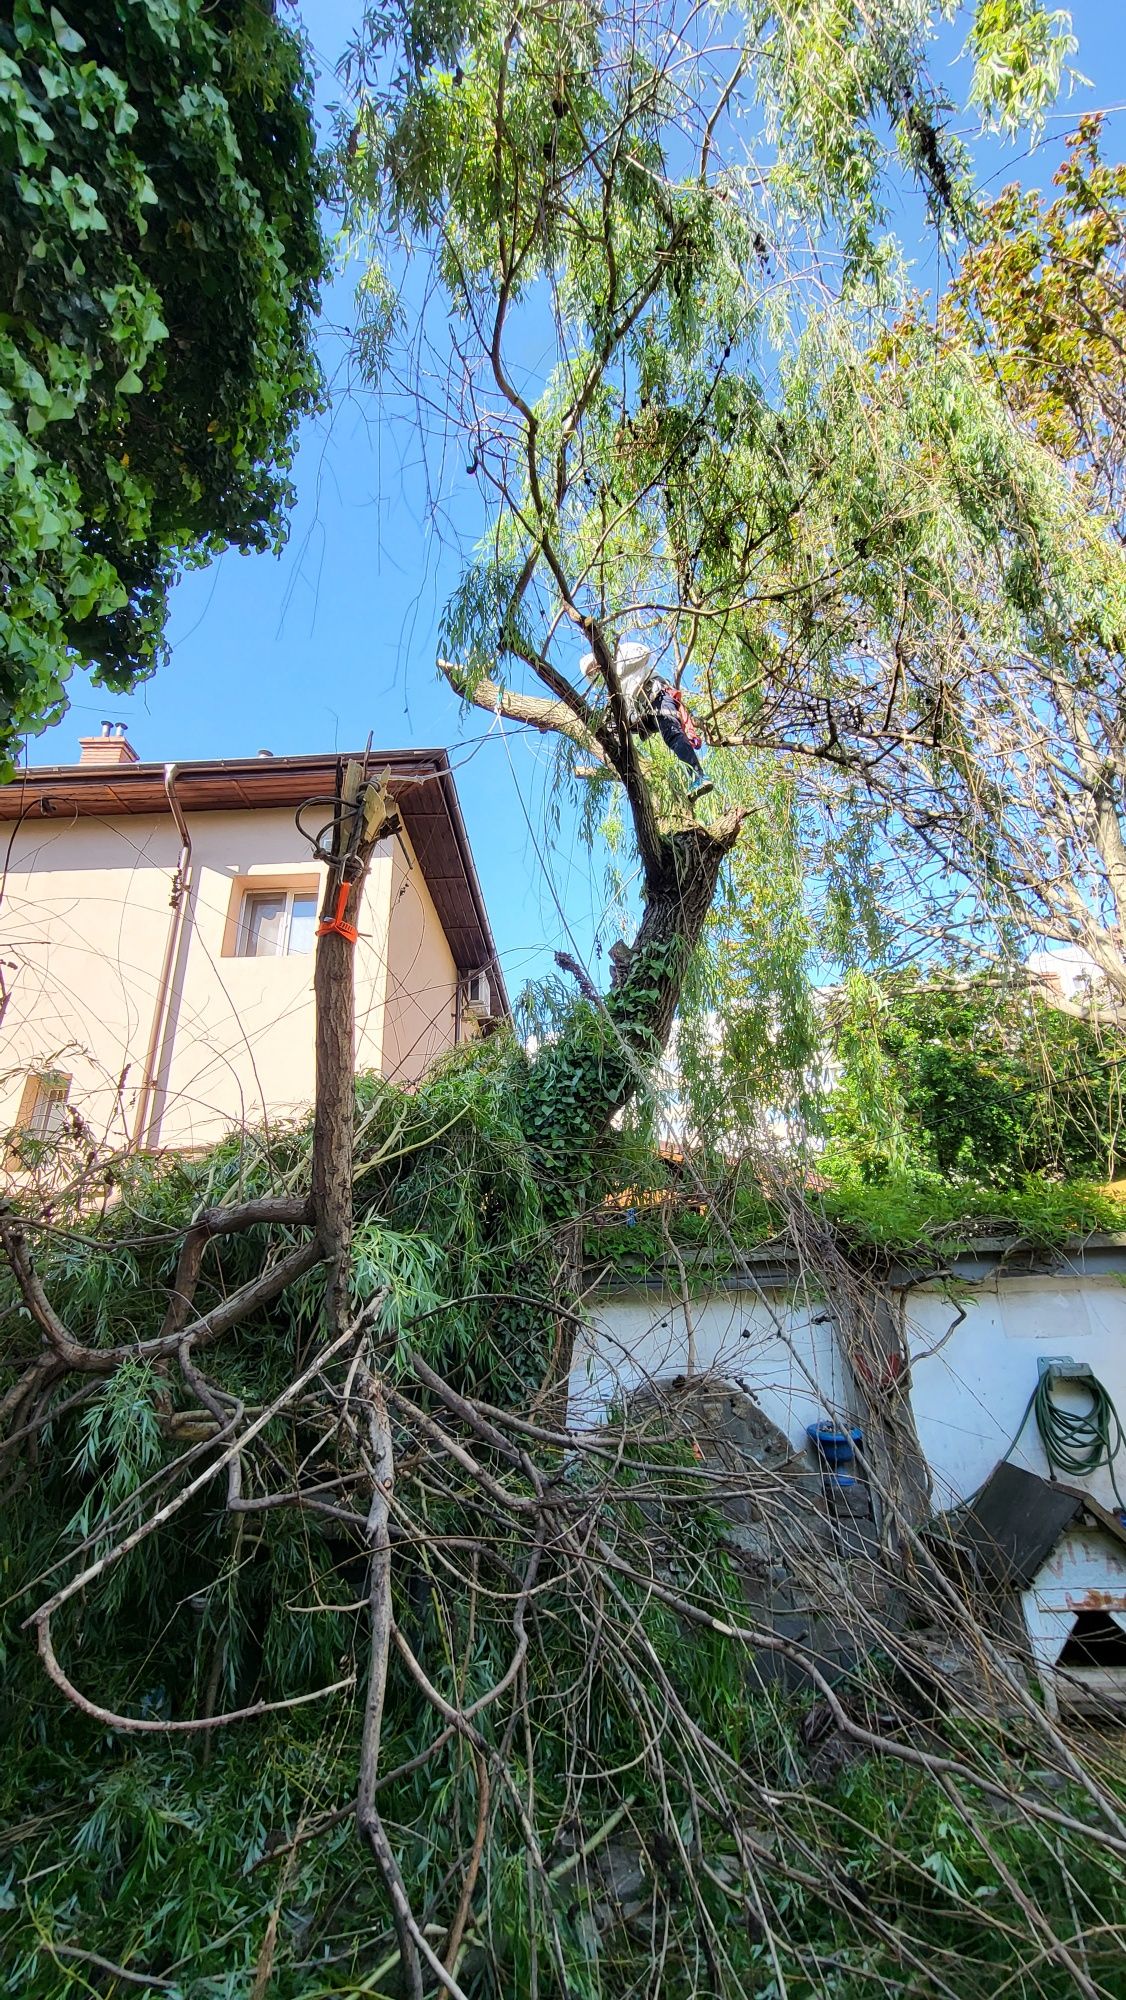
[(157, 930)]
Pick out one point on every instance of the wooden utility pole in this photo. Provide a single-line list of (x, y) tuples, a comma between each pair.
[(364, 814)]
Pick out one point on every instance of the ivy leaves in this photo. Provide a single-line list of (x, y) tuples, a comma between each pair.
[(159, 262)]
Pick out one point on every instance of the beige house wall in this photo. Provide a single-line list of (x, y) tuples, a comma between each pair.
[(422, 979), (83, 931)]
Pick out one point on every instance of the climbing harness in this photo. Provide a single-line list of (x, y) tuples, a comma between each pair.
[(685, 717)]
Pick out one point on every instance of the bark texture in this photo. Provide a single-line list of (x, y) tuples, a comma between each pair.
[(334, 986), (364, 815), (577, 1084)]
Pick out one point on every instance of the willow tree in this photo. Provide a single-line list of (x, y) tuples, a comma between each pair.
[(1025, 772), (939, 646), (291, 1579), (617, 221)]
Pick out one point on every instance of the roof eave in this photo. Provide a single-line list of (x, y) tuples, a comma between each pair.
[(227, 784)]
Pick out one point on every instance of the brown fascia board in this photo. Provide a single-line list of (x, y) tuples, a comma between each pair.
[(422, 784)]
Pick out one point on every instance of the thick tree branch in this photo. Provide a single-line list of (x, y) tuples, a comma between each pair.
[(551, 718), (267, 1210), (74, 1355)]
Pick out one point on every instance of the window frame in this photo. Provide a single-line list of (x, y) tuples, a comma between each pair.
[(51, 1097), (51, 1101), (47, 1091), (288, 892)]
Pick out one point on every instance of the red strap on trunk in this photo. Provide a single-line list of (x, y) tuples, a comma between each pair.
[(336, 923)]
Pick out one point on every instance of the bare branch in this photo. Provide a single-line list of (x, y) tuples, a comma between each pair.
[(551, 718), (379, 1607), (138, 1725)]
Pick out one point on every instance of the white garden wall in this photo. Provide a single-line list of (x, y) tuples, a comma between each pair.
[(974, 1348)]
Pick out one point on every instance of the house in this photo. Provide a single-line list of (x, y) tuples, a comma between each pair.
[(157, 929)]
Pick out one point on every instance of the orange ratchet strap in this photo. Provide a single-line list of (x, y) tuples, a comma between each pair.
[(337, 923)]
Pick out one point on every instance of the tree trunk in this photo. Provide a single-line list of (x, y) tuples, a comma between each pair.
[(868, 1324), (577, 1084), (364, 815), (647, 986), (334, 988)]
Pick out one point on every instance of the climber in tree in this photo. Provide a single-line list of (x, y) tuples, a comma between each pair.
[(654, 705), (678, 731)]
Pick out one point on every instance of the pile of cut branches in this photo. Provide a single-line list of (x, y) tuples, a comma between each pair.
[(337, 1664)]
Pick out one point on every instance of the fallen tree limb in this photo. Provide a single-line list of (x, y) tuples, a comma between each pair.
[(272, 1210), (368, 1817), (142, 1725), (187, 1493), (149, 1980), (74, 1356)]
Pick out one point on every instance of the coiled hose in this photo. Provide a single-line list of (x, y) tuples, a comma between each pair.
[(1077, 1442)]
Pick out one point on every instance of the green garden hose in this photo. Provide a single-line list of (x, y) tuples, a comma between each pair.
[(1077, 1442)]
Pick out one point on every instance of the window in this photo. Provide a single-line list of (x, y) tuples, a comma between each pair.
[(47, 1112), (41, 1116), (276, 923)]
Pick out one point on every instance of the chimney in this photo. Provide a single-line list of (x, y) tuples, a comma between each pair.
[(111, 747)]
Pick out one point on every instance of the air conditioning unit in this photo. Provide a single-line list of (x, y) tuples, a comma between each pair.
[(477, 997)]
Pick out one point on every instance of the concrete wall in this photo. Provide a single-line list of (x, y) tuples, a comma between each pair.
[(780, 1351), (973, 1377), (974, 1360), (83, 929)]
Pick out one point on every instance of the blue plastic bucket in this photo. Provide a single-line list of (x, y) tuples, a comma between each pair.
[(834, 1446)]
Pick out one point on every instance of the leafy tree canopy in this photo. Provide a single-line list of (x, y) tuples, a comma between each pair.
[(1042, 296), (936, 653), (159, 262), (975, 1079), (655, 252)]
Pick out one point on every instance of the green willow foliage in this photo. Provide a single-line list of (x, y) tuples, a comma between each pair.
[(937, 648), (160, 258), (175, 1858), (629, 217)]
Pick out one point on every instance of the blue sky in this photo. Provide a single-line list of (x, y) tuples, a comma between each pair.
[(337, 636)]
